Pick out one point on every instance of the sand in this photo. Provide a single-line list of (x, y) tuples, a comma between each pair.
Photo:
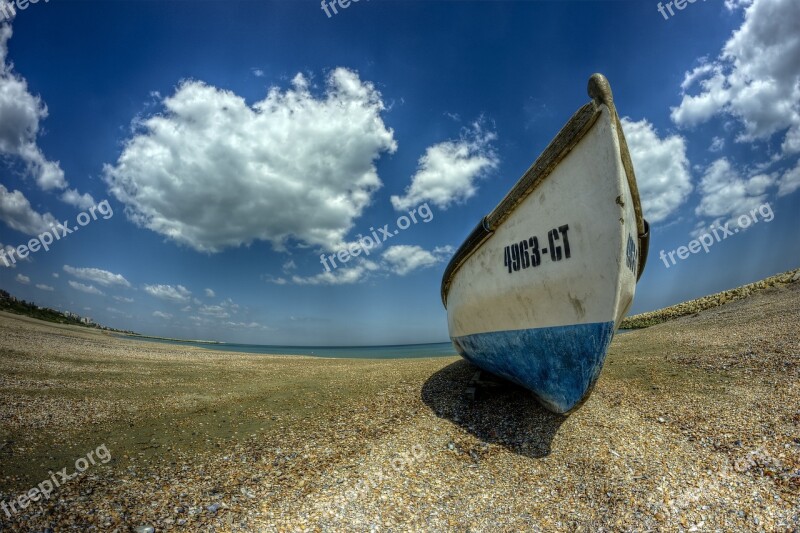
[(693, 425)]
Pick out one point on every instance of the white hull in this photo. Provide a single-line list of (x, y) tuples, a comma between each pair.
[(540, 298)]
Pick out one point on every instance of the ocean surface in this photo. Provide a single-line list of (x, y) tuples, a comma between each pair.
[(405, 351)]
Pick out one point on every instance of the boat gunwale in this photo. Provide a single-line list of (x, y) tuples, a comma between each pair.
[(562, 144)]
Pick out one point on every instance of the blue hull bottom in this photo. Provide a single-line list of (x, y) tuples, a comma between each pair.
[(559, 364)]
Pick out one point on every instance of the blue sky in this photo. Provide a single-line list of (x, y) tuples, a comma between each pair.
[(235, 142)]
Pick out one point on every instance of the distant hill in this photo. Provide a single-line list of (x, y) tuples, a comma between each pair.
[(707, 302)]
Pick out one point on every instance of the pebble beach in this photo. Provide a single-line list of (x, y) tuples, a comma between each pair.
[(694, 425)]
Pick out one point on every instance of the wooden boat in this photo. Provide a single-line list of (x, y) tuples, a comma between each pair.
[(538, 289)]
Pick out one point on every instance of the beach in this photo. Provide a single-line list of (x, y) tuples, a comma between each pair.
[(694, 425)]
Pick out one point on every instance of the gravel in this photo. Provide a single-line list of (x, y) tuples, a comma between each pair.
[(693, 425)]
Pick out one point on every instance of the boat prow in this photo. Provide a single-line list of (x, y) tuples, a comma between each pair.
[(538, 289)]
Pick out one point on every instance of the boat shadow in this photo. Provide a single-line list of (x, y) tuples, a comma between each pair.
[(504, 414)]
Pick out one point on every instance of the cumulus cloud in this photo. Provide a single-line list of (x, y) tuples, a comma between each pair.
[(17, 213), (101, 277), (178, 294), (216, 311), (209, 293), (661, 166), (733, 5), (89, 289), (76, 199), (213, 172), (717, 144), (790, 181), (160, 314), (340, 276), (44, 287), (23, 279), (403, 258), (726, 193), (448, 171), (123, 299), (10, 259), (399, 259), (755, 79), (20, 114)]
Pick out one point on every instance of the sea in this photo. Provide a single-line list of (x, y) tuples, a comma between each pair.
[(403, 351)]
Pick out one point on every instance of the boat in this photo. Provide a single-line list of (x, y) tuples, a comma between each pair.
[(537, 290)]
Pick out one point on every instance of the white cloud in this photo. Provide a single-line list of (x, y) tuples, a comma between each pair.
[(44, 287), (160, 314), (178, 294), (790, 181), (247, 325), (340, 276), (89, 289), (17, 213), (10, 259), (402, 259), (733, 5), (76, 199), (23, 279), (448, 171), (755, 79), (210, 293), (20, 113), (661, 167), (55, 275), (213, 172), (216, 311), (123, 299), (101, 277), (726, 193), (717, 144), (227, 302)]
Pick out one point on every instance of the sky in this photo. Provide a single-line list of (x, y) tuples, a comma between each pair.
[(210, 152)]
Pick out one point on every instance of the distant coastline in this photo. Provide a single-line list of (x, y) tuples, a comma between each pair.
[(169, 339)]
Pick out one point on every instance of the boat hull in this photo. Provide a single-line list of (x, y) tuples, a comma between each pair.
[(539, 299), (560, 364)]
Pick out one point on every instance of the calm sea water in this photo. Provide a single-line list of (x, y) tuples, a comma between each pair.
[(406, 351)]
